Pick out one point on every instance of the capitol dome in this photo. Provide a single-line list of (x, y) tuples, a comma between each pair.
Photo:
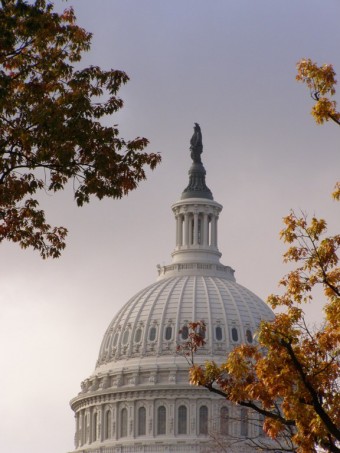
[(138, 398)]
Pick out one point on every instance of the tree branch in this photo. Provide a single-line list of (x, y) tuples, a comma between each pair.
[(331, 427)]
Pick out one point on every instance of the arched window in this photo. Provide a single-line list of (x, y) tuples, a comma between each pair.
[(182, 420), (249, 336), (138, 335), (234, 334), (94, 427), (224, 421), (107, 425), (185, 332), (203, 420), (123, 422), (168, 332), (141, 421), (152, 334), (219, 333), (244, 422), (161, 420)]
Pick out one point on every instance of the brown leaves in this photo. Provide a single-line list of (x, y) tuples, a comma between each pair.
[(291, 376), (196, 335), (50, 119), (26, 225)]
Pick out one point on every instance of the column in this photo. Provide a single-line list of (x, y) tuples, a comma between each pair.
[(213, 231), (205, 229), (191, 230), (195, 228), (216, 230), (103, 428), (91, 426), (179, 230), (76, 438), (186, 228), (115, 421), (84, 430)]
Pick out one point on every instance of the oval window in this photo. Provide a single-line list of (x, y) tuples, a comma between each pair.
[(138, 335), (185, 332), (249, 336), (152, 334), (168, 333), (218, 333), (125, 337), (234, 334)]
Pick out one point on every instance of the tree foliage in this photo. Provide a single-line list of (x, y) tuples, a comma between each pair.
[(321, 82), (292, 374), (50, 128)]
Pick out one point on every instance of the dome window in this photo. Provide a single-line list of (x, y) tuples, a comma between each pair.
[(126, 337), (182, 420), (203, 420), (219, 333), (224, 421), (107, 424), (152, 333), (249, 336), (185, 332), (161, 420), (123, 422), (94, 427), (168, 333), (234, 334), (244, 422), (141, 421), (138, 335)]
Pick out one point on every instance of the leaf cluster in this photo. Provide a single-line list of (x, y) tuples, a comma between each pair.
[(291, 376), (321, 82), (50, 128)]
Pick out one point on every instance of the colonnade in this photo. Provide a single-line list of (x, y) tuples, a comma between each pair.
[(196, 224)]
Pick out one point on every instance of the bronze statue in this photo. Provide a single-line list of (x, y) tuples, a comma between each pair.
[(197, 187), (196, 145)]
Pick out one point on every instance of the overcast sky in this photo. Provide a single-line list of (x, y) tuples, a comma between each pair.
[(228, 65)]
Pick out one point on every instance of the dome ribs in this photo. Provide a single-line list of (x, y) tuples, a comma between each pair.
[(166, 316), (209, 323), (179, 317), (217, 284)]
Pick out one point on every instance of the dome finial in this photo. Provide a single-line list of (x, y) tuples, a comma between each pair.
[(197, 187)]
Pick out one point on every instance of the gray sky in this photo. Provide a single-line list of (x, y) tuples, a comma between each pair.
[(228, 65)]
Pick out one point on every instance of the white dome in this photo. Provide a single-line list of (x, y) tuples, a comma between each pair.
[(149, 324), (139, 399)]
